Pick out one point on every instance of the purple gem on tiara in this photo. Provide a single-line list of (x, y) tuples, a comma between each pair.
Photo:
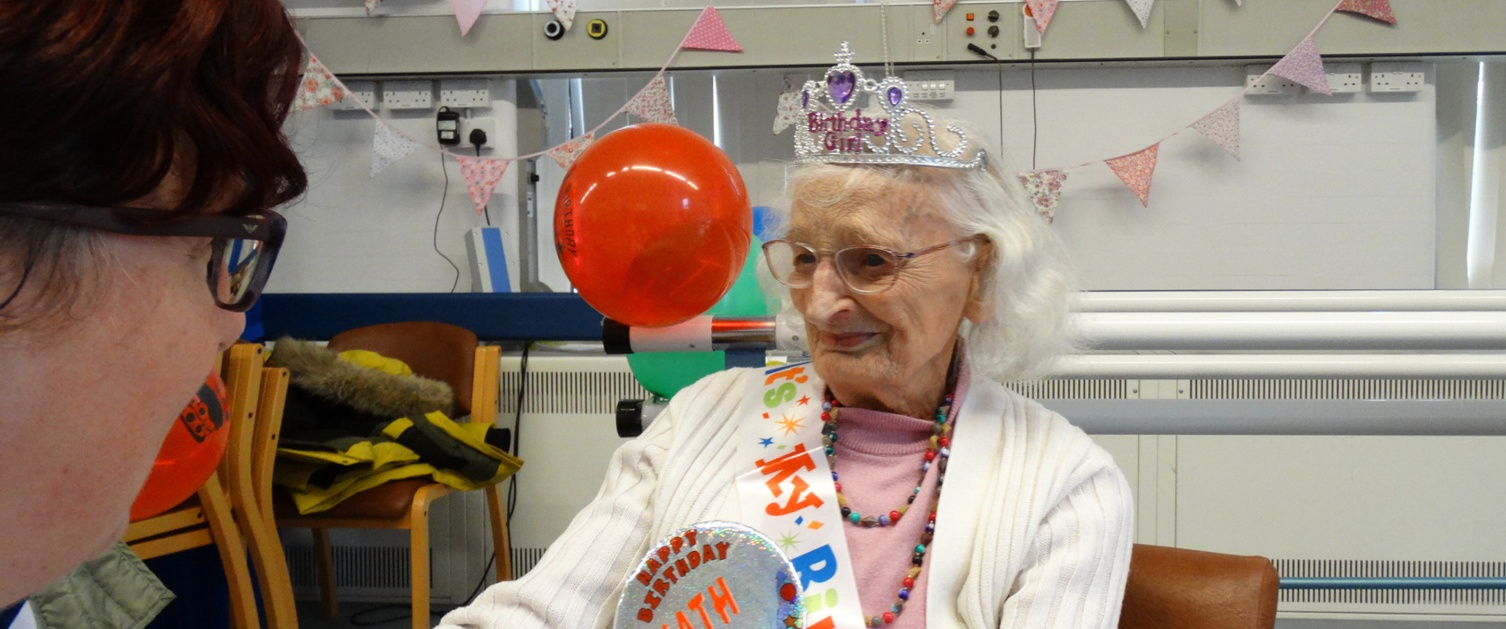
[(895, 95), (841, 84), (805, 99)]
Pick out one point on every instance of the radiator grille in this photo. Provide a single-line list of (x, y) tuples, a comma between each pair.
[(365, 567), (1349, 389), (1319, 568), (524, 559), (570, 392)]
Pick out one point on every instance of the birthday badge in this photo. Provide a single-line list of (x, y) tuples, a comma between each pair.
[(712, 574)]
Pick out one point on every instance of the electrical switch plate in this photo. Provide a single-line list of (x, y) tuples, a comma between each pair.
[(931, 85), (408, 94), (1402, 76), (929, 42), (358, 93), (1270, 84), (1345, 78), (486, 124), (465, 93)]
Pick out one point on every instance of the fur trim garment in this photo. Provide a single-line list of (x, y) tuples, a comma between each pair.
[(320, 371)]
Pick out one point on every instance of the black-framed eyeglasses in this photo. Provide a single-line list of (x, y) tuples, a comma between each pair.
[(866, 269), (244, 247)]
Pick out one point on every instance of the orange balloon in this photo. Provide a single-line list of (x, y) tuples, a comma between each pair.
[(652, 224), (189, 454)]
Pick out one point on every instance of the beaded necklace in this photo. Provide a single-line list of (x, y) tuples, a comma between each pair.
[(938, 451)]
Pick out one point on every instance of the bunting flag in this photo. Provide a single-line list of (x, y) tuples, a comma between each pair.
[(371, 5), (709, 33), (564, 11), (1305, 66), (319, 87), (466, 12), (388, 146), (1222, 126), (1045, 190), (1239, 3), (652, 103), (1136, 169), (1141, 9), (789, 112), (940, 8), (481, 177), (1378, 9), (1042, 10), (566, 154)]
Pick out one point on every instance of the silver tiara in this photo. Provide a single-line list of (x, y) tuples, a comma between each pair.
[(836, 131)]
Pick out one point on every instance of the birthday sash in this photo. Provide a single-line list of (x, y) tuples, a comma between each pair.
[(786, 492)]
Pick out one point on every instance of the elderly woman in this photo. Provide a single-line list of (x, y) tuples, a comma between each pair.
[(140, 154), (946, 500)]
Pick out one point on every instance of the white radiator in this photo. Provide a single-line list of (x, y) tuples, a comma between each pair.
[(1320, 506)]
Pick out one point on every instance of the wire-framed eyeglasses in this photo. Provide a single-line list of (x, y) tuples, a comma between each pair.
[(244, 248), (866, 269)]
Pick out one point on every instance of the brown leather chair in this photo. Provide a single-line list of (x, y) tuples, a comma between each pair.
[(434, 350), (1190, 589)]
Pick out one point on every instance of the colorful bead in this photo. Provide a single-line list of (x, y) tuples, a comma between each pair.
[(904, 594), (888, 617), (894, 516), (885, 520), (909, 582), (854, 517)]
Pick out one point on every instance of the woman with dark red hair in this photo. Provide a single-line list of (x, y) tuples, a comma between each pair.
[(141, 152)]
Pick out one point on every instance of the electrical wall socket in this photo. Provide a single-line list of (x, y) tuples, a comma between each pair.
[(1345, 78), (408, 94), (487, 124), (1402, 76), (465, 93), (931, 85), (1270, 84), (358, 93)]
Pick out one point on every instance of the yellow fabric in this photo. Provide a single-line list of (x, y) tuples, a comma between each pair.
[(374, 463), (373, 360)]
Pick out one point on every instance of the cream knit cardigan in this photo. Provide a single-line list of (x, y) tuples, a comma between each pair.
[(1034, 527)]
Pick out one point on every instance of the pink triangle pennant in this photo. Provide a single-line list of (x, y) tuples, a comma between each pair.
[(709, 33), (1222, 126), (789, 113), (939, 8), (318, 89), (371, 5), (388, 146), (1042, 10), (566, 154), (466, 12), (1136, 169), (564, 10), (1378, 9), (481, 177), (1305, 66), (1141, 9), (652, 103), (1045, 190)]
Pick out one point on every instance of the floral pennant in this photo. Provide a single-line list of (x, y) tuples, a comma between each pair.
[(371, 5), (1042, 10), (1141, 9), (466, 12), (1222, 126), (652, 103), (1378, 9), (318, 89), (1045, 190), (940, 7), (1136, 169), (1305, 66), (789, 112), (481, 177), (564, 11), (709, 33), (388, 146), (566, 154)]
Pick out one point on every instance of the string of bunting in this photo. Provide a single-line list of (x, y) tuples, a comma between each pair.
[(1303, 65), (320, 88)]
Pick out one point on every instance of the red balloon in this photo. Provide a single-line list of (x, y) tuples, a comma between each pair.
[(652, 224), (189, 454)]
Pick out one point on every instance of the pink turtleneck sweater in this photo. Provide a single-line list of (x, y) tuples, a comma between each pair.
[(878, 458)]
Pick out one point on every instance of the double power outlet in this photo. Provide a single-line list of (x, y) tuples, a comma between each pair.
[(1345, 78)]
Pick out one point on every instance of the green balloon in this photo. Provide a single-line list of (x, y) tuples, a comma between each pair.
[(665, 373)]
